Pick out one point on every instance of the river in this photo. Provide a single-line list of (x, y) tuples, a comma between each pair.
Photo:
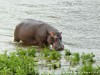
[(78, 20)]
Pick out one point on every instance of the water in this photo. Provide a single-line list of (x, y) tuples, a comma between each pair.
[(78, 20)]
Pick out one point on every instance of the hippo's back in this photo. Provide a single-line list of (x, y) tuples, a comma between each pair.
[(30, 28), (30, 25)]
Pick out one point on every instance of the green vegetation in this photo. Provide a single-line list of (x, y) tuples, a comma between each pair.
[(89, 70), (18, 63), (52, 58), (74, 59), (50, 55), (87, 58), (67, 52), (24, 61)]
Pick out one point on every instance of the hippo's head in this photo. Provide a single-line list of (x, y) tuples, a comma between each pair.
[(55, 40)]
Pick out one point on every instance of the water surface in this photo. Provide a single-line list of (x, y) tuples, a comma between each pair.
[(78, 20)]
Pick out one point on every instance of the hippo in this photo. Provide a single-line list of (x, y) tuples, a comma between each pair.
[(38, 33)]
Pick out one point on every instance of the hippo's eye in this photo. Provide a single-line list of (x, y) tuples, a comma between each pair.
[(60, 38)]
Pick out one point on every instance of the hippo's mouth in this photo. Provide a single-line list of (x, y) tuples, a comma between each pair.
[(52, 46)]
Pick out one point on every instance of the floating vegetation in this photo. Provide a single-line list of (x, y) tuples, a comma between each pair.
[(89, 70), (50, 55), (87, 58), (31, 51), (17, 63), (25, 61), (74, 59), (67, 52), (51, 58)]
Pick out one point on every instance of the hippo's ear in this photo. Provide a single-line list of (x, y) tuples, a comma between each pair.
[(50, 39), (60, 32), (52, 34)]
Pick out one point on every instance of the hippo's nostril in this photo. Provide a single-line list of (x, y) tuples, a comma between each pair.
[(62, 47)]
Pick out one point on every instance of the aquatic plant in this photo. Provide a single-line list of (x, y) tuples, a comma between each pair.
[(24, 62), (89, 70), (50, 55), (67, 52), (17, 64), (45, 52), (52, 58), (54, 55), (55, 65), (87, 58), (31, 51), (74, 59)]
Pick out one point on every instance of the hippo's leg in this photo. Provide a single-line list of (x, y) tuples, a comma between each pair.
[(16, 39), (43, 44)]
